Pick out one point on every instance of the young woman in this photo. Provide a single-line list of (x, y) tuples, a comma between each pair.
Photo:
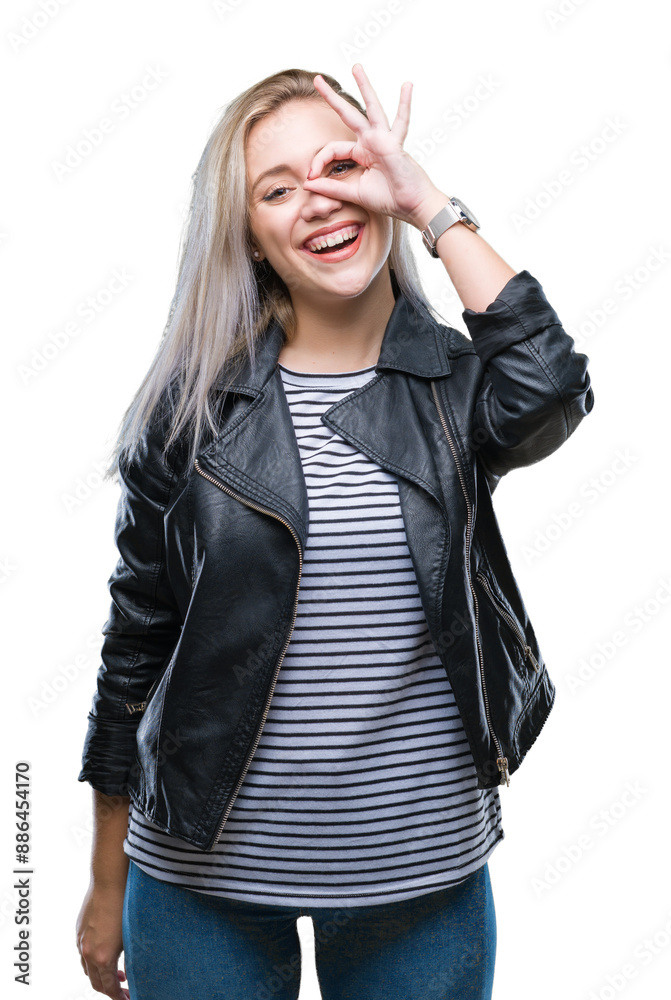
[(318, 668)]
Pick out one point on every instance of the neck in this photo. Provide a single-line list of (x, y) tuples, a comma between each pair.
[(346, 336)]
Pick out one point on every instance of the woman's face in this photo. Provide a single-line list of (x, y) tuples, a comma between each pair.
[(284, 216)]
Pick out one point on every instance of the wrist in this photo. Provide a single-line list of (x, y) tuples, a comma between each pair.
[(428, 208), (109, 886)]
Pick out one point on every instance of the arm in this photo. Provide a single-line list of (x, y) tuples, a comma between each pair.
[(144, 621), (535, 388), (475, 269), (99, 923)]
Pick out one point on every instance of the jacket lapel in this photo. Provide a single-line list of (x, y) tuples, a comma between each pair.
[(383, 419), (258, 456)]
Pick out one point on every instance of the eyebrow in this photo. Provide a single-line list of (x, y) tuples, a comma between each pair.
[(279, 169)]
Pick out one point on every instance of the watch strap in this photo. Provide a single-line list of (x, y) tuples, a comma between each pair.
[(441, 222)]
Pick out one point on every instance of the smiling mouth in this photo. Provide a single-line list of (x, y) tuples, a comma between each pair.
[(338, 250)]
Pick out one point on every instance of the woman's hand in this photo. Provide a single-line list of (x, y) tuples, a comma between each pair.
[(100, 941), (391, 183)]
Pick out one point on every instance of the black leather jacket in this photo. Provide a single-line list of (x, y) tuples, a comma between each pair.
[(205, 592)]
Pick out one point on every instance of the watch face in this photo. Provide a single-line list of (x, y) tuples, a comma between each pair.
[(467, 212)]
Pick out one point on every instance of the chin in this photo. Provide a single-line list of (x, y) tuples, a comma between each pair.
[(351, 285)]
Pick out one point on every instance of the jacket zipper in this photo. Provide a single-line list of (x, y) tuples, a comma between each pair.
[(264, 510), (140, 706), (501, 761), (510, 621)]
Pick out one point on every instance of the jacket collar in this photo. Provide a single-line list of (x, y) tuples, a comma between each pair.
[(257, 456), (412, 343)]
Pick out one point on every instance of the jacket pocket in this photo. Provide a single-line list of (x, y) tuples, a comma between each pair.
[(512, 625)]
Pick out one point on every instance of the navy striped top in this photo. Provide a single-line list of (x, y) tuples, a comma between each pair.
[(363, 788)]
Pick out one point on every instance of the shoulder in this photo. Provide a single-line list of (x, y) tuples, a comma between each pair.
[(453, 342), (153, 458), (456, 343)]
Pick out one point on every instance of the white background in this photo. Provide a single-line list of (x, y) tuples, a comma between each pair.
[(586, 529)]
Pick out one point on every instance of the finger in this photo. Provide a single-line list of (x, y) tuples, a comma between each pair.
[(376, 115), (92, 973), (336, 150), (337, 190), (349, 114), (122, 975), (110, 983), (95, 980), (402, 119)]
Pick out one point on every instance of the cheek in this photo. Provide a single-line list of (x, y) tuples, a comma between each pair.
[(263, 227), (278, 236), (383, 233)]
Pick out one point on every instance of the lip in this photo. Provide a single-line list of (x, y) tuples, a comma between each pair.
[(336, 253), (325, 230)]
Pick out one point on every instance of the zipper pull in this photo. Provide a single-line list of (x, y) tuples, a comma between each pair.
[(529, 653), (138, 706), (502, 764)]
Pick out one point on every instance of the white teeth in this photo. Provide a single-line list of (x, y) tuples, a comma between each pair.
[(332, 239)]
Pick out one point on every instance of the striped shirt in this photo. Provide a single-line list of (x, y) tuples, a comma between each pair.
[(363, 788)]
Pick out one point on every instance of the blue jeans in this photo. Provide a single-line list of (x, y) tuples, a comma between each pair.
[(180, 943)]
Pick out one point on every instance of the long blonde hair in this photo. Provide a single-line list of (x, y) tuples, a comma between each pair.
[(223, 300)]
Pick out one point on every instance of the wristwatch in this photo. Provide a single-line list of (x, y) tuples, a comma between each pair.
[(454, 211)]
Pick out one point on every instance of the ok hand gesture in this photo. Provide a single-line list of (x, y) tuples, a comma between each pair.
[(392, 182)]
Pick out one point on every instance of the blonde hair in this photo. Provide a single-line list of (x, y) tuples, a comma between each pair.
[(224, 301)]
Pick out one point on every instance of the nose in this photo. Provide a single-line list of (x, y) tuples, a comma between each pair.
[(319, 206)]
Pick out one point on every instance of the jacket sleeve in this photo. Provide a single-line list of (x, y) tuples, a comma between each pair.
[(143, 624), (535, 388)]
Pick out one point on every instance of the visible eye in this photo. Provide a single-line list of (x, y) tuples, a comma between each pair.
[(346, 165), (271, 194), (343, 163)]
